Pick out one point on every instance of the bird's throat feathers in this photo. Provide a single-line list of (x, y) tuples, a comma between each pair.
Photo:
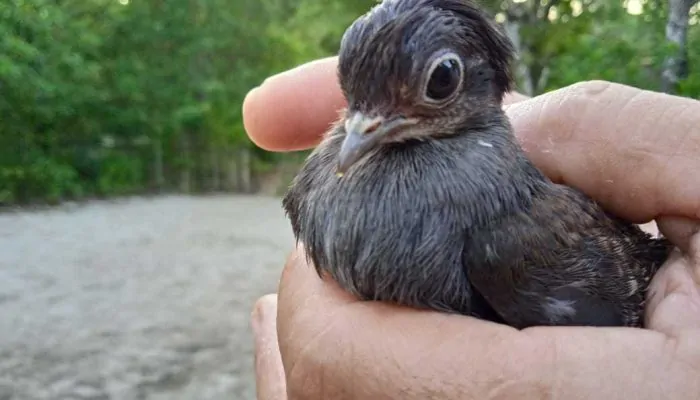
[(414, 196)]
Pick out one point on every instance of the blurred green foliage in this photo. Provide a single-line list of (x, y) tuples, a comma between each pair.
[(109, 97)]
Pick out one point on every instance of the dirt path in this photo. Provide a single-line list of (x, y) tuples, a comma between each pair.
[(136, 299)]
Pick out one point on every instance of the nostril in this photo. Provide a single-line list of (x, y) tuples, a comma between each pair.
[(372, 127)]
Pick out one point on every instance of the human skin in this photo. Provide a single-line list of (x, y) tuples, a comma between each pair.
[(636, 152)]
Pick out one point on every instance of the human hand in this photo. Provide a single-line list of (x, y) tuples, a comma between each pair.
[(633, 151)]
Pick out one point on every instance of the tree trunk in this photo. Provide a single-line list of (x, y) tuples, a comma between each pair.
[(158, 163), (186, 171), (244, 170), (215, 171), (676, 66), (523, 73)]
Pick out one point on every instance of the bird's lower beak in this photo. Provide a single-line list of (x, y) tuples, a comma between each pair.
[(362, 134)]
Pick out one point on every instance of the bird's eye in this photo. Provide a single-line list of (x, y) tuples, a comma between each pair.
[(444, 79)]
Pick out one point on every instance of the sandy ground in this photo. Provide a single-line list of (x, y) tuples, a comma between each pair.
[(136, 299)]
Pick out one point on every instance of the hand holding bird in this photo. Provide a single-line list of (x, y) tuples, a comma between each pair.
[(583, 135)]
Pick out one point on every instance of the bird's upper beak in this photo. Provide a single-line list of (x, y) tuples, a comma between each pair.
[(363, 133)]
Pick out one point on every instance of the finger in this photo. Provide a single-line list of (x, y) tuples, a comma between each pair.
[(674, 297), (634, 151), (291, 111), (269, 373), (684, 233)]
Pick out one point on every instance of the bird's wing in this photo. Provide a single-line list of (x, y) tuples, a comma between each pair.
[(563, 261)]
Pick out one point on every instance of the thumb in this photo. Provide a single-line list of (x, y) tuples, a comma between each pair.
[(269, 373)]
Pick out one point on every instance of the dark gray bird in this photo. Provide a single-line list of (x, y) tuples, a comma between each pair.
[(421, 196)]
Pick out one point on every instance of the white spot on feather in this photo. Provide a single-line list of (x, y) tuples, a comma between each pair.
[(485, 144), (556, 308), (490, 254), (634, 287)]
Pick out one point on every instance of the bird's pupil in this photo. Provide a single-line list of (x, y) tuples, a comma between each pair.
[(444, 80)]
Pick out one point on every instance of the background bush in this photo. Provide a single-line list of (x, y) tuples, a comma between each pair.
[(112, 97)]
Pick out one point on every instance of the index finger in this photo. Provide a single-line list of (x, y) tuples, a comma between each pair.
[(290, 111)]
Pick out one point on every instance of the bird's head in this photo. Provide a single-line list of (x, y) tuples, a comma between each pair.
[(420, 69)]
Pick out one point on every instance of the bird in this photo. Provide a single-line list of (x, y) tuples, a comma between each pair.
[(420, 195)]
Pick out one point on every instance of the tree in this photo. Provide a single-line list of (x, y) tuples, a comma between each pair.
[(110, 97), (676, 65)]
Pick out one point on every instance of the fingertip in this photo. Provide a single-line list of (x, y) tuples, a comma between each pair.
[(268, 120), (291, 110), (264, 311), (252, 121), (682, 232)]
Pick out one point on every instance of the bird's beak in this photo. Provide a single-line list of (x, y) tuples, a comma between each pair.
[(363, 133)]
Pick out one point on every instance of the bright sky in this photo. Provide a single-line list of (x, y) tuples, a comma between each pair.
[(634, 7)]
